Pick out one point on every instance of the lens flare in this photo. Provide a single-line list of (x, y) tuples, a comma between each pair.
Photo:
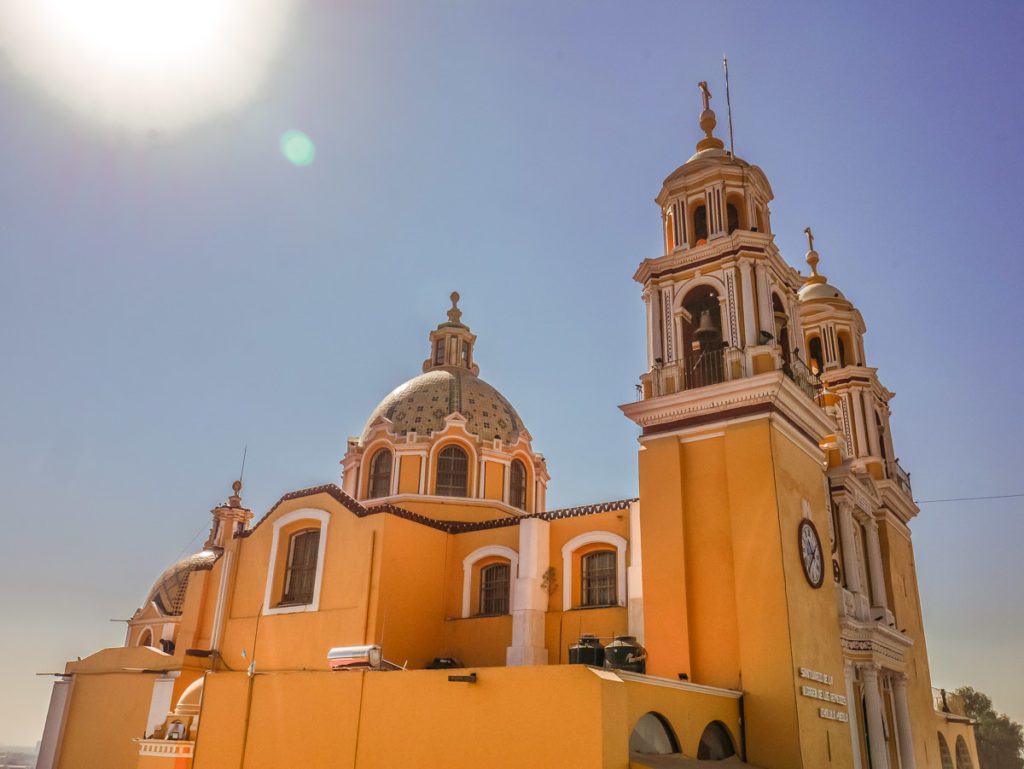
[(144, 63), (297, 148)]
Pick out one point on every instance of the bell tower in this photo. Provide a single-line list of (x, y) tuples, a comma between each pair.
[(734, 501)]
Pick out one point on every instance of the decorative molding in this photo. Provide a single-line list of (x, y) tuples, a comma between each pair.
[(592, 538), (480, 553)]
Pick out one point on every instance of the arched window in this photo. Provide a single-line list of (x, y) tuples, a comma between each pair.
[(944, 756), (715, 743), (146, 638), (380, 474), (842, 350), (517, 485), (300, 573), (963, 755), (598, 579), (439, 352), (700, 224), (652, 736), (494, 587), (452, 472)]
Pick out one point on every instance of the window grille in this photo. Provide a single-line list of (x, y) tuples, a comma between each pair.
[(494, 588), (452, 472), (380, 474), (598, 586), (517, 485), (300, 575)]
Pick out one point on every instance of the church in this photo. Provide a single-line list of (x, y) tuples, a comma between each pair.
[(756, 605)]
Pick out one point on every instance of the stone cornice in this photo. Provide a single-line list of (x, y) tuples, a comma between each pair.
[(764, 393)]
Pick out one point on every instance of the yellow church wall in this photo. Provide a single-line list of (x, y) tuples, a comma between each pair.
[(494, 480), (223, 721), (409, 474), (711, 601), (479, 641), (814, 631), (567, 716), (765, 661), (459, 547), (409, 621), (563, 530), (687, 712), (107, 711), (664, 557)]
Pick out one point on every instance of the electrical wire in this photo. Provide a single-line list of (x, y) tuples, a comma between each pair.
[(968, 499)]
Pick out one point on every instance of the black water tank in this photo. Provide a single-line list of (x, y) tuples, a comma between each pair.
[(587, 651), (624, 653)]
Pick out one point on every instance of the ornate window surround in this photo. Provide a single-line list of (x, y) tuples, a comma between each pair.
[(305, 514), (470, 561), (592, 538)]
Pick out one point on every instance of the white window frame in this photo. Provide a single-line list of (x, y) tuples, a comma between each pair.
[(306, 514), (488, 551), (593, 538)]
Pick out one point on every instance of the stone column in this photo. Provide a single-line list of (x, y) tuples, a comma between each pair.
[(649, 308), (875, 567), (766, 317), (529, 596), (851, 561), (873, 706), (853, 711), (906, 735), (858, 418), (747, 291), (872, 425)]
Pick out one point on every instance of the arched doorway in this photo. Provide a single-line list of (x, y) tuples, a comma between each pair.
[(715, 743)]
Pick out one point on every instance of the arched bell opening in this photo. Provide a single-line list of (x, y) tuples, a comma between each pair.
[(700, 225), (703, 347), (815, 357), (735, 214), (653, 736)]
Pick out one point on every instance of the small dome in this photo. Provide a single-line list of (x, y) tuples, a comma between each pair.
[(424, 402), (811, 291), (168, 592)]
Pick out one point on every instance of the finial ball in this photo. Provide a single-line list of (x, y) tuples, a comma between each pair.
[(455, 297), (237, 486)]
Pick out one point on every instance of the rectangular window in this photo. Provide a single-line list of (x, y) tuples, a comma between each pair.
[(494, 586), (438, 352), (598, 586), (300, 576)]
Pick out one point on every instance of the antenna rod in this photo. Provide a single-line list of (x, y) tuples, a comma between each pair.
[(245, 451), (728, 104)]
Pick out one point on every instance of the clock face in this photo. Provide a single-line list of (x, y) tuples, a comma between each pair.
[(810, 553)]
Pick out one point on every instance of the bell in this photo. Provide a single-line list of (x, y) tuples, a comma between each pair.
[(706, 329)]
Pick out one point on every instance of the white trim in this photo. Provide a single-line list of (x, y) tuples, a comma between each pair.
[(592, 538), (467, 573), (310, 514)]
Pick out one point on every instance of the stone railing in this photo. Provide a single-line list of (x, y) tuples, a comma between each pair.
[(166, 748)]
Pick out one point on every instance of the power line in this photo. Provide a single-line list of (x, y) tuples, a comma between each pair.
[(968, 499)]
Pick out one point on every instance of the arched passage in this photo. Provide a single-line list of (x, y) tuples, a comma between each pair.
[(715, 743), (653, 736)]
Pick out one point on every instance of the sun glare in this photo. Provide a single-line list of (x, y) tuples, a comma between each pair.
[(145, 63)]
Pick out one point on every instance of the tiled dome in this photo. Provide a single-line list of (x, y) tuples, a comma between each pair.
[(423, 403), (168, 592)]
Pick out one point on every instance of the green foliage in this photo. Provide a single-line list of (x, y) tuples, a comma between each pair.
[(1000, 740)]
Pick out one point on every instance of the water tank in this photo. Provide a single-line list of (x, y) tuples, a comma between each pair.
[(587, 651), (625, 653)]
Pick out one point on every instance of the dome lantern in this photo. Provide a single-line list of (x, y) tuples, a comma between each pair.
[(451, 343)]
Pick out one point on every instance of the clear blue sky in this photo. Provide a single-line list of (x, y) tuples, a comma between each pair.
[(171, 296)]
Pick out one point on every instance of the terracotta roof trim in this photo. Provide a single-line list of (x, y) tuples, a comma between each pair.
[(450, 527)]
